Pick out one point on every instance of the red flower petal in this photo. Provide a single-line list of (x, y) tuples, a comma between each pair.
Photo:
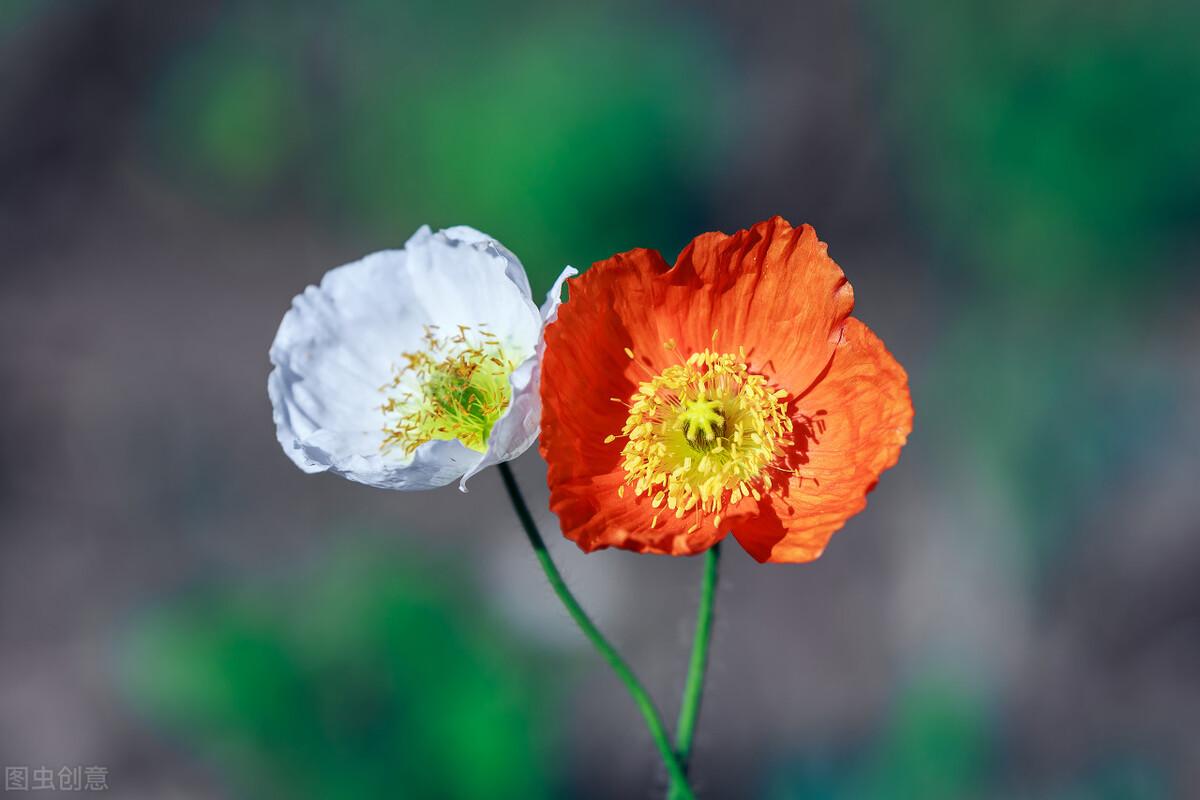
[(863, 411)]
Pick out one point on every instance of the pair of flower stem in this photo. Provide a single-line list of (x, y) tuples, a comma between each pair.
[(674, 757)]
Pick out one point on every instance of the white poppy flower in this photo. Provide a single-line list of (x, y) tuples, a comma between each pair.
[(409, 369)]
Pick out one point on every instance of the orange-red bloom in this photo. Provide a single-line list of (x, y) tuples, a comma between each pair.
[(731, 392)]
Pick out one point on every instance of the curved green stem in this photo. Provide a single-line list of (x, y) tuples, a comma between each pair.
[(650, 714), (693, 690)]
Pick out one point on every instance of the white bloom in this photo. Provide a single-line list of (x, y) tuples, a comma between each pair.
[(409, 369)]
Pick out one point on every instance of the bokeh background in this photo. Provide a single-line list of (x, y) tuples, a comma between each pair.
[(1013, 189)]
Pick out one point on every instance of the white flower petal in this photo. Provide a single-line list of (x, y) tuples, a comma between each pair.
[(549, 310), (514, 270), (340, 342), (518, 428), (457, 282)]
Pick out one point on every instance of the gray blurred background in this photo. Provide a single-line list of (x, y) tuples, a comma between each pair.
[(1012, 189)]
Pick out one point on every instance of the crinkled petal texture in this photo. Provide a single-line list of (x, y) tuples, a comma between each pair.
[(341, 342), (771, 290)]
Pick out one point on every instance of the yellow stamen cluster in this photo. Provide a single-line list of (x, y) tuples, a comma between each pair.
[(702, 435), (454, 388)]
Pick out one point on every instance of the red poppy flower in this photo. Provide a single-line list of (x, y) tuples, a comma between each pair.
[(730, 393)]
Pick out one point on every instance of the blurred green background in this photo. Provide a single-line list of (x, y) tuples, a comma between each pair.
[(1012, 188)]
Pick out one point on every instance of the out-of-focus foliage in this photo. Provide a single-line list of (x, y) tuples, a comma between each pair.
[(18, 16), (1117, 778), (232, 116), (568, 139), (1053, 160), (1052, 146), (1001, 384), (365, 679), (16, 13), (935, 746)]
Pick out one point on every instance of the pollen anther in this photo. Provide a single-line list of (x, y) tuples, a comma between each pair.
[(701, 435), (455, 387)]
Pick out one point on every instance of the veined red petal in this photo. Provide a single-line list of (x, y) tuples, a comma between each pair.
[(860, 416)]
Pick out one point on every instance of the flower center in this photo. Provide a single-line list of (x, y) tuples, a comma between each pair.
[(703, 434), (454, 388)]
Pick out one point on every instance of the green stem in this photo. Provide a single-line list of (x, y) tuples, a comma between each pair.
[(650, 714), (689, 710)]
